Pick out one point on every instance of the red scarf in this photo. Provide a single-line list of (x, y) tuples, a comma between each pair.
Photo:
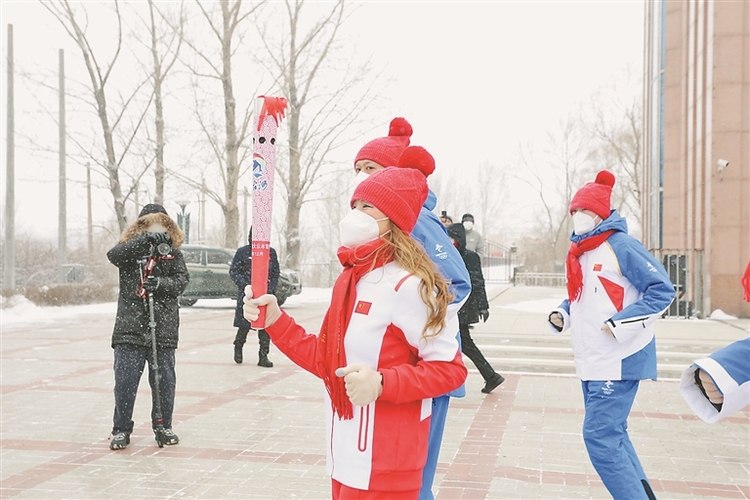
[(357, 262), (573, 266)]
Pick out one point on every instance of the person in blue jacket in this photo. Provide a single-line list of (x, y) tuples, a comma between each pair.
[(394, 151), (719, 384), (616, 292)]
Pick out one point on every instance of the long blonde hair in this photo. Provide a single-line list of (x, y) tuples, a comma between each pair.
[(433, 289)]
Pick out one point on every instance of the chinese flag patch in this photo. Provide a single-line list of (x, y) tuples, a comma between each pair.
[(597, 267), (363, 307)]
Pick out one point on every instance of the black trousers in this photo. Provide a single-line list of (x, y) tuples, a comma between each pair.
[(264, 340), (471, 350), (130, 360)]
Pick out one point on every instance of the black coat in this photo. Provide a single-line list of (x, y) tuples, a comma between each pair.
[(132, 321), (477, 301), (240, 272)]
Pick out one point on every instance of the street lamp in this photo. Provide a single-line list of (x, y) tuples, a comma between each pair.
[(183, 220)]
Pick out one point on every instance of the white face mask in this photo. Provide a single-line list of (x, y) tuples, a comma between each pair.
[(583, 223), (156, 228), (468, 225), (361, 175), (357, 228)]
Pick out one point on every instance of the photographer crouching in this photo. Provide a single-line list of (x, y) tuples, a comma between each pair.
[(152, 277)]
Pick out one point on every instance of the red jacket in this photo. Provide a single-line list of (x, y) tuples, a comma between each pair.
[(384, 447)]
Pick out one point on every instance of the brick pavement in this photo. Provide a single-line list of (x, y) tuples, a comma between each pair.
[(249, 432)]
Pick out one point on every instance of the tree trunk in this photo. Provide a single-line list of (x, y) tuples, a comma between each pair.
[(158, 106), (230, 209)]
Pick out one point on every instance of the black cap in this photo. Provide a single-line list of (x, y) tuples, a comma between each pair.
[(466, 217), (152, 208)]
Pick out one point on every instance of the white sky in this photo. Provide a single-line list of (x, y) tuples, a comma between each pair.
[(475, 79)]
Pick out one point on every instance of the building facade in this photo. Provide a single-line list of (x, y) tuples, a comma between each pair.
[(696, 209)]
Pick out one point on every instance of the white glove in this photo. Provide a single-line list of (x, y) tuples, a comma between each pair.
[(363, 384), (708, 385), (251, 307)]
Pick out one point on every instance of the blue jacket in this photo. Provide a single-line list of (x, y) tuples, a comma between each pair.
[(730, 370), (431, 233), (433, 236), (627, 289)]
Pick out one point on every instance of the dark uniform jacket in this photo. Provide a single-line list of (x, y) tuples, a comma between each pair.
[(477, 301), (132, 321), (239, 271)]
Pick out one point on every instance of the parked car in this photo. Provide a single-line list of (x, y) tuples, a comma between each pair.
[(209, 276)]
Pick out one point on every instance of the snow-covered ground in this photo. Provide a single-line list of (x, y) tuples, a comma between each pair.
[(18, 311)]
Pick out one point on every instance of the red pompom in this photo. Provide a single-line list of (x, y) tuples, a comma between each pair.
[(418, 158), (400, 127), (606, 178)]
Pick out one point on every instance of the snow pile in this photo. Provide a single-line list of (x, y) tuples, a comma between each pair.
[(719, 314), (18, 310)]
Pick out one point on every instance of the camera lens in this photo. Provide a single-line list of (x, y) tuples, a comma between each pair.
[(163, 248)]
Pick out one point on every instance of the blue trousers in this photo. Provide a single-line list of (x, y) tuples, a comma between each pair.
[(605, 433), (437, 426), (130, 360)]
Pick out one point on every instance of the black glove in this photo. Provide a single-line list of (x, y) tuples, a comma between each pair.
[(158, 238), (484, 314), (152, 282)]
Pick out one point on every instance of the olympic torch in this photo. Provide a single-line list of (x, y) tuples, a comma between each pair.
[(269, 112)]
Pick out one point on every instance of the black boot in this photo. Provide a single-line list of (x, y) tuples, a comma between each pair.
[(264, 341), (492, 383), (239, 342), (491, 378)]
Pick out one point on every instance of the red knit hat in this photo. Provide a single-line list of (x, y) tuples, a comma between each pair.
[(397, 192), (595, 195), (385, 151), (418, 158)]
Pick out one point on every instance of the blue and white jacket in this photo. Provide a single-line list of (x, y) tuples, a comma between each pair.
[(627, 289), (729, 368), (433, 236)]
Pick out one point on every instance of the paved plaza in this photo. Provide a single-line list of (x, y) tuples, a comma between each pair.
[(251, 432)]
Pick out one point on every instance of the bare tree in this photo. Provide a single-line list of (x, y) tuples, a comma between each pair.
[(320, 115), (619, 150), (490, 189), (224, 20), (162, 64), (555, 179), (99, 76)]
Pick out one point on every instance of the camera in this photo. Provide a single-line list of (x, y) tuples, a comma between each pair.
[(722, 164), (444, 213), (163, 248)]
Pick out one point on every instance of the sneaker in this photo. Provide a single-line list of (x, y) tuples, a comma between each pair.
[(119, 441), (492, 383), (170, 438)]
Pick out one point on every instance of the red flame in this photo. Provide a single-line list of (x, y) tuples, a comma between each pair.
[(273, 107)]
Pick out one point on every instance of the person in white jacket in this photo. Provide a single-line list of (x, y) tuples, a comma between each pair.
[(386, 346), (616, 291)]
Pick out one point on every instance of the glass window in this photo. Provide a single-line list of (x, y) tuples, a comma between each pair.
[(192, 256), (217, 257)]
